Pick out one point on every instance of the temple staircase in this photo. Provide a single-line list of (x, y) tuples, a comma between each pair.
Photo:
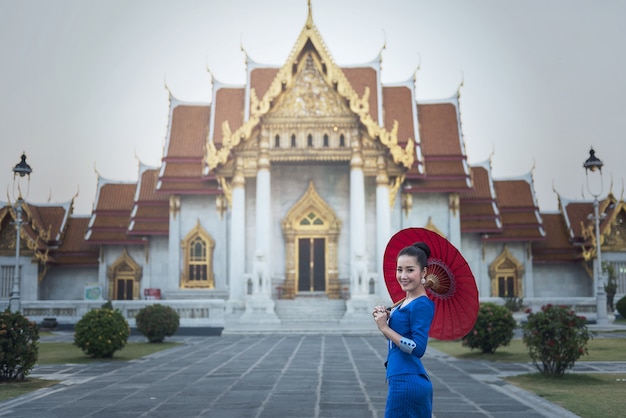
[(310, 313)]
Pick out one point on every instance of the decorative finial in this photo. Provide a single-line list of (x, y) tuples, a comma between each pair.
[(309, 18), (458, 92), (167, 88)]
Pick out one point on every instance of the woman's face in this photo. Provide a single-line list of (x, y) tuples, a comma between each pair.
[(409, 273)]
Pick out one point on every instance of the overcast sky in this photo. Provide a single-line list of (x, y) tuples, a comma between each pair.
[(82, 83)]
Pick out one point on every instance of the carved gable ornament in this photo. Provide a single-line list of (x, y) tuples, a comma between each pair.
[(615, 240), (317, 101), (310, 96)]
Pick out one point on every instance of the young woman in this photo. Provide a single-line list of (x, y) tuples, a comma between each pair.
[(410, 392)]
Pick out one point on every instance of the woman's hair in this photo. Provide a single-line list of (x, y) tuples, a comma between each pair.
[(419, 250)]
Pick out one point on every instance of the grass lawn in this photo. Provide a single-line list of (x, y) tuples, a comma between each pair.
[(586, 395), (63, 353), (600, 349), (67, 353)]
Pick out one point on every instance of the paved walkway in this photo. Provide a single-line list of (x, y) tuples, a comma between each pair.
[(274, 376)]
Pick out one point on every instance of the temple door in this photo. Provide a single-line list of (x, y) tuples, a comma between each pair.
[(311, 264)]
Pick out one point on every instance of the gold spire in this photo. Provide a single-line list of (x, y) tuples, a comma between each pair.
[(309, 18)]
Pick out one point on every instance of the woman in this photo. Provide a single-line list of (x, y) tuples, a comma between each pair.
[(410, 392)]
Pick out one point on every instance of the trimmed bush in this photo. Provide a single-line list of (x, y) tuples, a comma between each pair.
[(621, 307), (101, 332), (556, 337), (19, 346), (493, 328), (513, 303), (156, 322)]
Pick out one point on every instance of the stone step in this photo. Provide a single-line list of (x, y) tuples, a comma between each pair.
[(310, 310)]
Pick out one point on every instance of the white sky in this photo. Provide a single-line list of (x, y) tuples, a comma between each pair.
[(82, 82)]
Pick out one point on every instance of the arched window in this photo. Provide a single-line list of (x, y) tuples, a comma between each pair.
[(277, 141), (293, 140), (309, 140), (198, 252), (342, 140), (325, 140), (197, 260)]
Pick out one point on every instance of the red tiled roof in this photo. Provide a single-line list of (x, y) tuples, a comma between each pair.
[(111, 216), (557, 246), (228, 106), (478, 205), (520, 216), (74, 249), (183, 162), (444, 159), (359, 79), (188, 132), (261, 79), (150, 209)]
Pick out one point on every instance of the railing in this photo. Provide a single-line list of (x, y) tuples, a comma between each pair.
[(192, 312)]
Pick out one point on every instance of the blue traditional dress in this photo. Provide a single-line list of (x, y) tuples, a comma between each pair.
[(410, 392)]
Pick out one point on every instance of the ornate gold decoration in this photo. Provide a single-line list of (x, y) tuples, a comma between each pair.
[(454, 203), (394, 186), (407, 203), (285, 79), (506, 264), (432, 227), (174, 205), (200, 233), (124, 268), (327, 226)]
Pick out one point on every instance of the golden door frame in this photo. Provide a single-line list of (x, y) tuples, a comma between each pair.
[(311, 217), (506, 264), (124, 268)]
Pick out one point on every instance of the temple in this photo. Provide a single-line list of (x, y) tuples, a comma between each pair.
[(273, 204)]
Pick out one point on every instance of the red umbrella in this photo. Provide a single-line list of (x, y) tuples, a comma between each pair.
[(453, 287)]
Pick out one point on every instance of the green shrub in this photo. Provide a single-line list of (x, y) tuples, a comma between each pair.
[(513, 304), (493, 328), (101, 332), (19, 346), (556, 337), (156, 322), (621, 307)]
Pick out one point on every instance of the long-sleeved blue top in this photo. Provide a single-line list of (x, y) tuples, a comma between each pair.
[(412, 322)]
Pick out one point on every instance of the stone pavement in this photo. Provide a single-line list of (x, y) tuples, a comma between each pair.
[(273, 376)]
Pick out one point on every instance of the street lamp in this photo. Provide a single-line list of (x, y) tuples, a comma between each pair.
[(594, 164), (21, 169)]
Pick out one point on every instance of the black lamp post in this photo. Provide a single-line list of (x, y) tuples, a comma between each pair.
[(21, 169), (594, 164)]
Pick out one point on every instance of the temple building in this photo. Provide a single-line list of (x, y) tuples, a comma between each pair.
[(273, 204)]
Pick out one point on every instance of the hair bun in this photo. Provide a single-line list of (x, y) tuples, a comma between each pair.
[(424, 247)]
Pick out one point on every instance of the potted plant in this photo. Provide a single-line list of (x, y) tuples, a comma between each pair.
[(610, 287)]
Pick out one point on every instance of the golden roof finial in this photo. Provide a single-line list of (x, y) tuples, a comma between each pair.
[(309, 18)]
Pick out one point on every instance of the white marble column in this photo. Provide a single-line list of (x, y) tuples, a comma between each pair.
[(264, 215), (259, 306), (237, 251), (454, 220), (175, 264), (383, 224), (357, 222), (360, 304)]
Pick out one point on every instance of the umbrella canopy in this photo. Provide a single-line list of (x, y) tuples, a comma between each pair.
[(452, 284)]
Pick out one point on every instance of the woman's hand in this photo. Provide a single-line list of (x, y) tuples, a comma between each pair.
[(381, 315)]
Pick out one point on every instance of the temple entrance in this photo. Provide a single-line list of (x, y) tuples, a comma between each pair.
[(311, 265), (311, 231), (124, 278), (124, 288)]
